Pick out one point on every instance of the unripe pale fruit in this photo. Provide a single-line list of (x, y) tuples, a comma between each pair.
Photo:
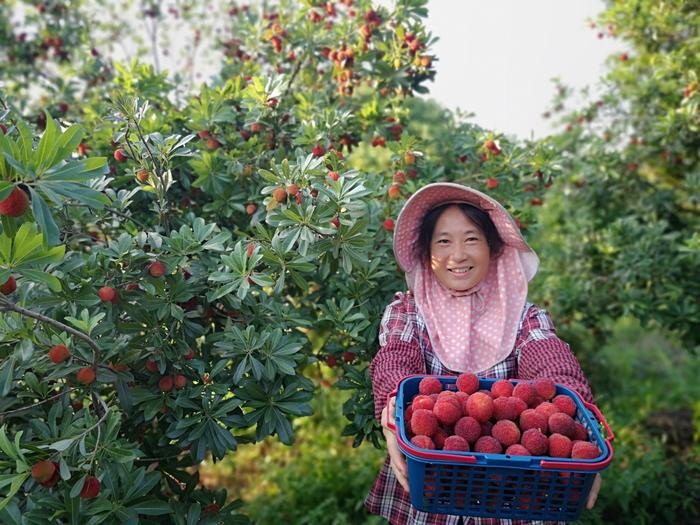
[(394, 191), (85, 375), (119, 155), (107, 293), (9, 287), (409, 158), (91, 488), (15, 204), (59, 353), (142, 175), (156, 269)]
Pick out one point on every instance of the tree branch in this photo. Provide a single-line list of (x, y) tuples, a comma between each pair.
[(6, 305)]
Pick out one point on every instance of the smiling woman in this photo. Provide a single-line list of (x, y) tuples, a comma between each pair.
[(467, 268)]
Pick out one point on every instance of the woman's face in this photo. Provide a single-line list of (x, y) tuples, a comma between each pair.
[(459, 253)]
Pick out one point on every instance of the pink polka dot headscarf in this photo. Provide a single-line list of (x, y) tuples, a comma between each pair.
[(473, 330)]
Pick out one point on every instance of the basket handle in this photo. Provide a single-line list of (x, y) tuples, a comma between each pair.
[(599, 416), (390, 421)]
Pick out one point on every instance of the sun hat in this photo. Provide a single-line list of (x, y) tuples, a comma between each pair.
[(470, 330), (433, 195)]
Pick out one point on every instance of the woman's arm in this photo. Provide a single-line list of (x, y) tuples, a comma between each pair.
[(542, 354), (399, 353)]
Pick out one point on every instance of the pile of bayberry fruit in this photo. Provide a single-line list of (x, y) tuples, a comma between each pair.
[(527, 418)]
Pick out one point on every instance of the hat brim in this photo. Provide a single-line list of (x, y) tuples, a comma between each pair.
[(411, 217)]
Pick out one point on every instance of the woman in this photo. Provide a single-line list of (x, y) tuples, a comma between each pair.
[(467, 268)]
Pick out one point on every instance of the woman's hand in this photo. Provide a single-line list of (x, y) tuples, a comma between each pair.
[(398, 462), (593, 494)]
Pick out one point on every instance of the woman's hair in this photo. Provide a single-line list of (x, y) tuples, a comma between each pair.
[(479, 217)]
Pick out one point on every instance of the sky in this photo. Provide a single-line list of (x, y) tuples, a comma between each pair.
[(497, 57)]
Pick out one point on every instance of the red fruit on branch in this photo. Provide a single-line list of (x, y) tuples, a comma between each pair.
[(180, 381), (280, 195), (43, 471), (165, 384), (318, 151), (86, 375), (213, 144), (15, 204), (335, 221), (250, 209), (152, 366), (189, 355), (389, 224), (142, 175), (156, 269), (204, 134), (82, 149), (394, 191), (399, 177), (107, 293), (292, 189), (119, 155), (409, 158), (9, 287), (91, 488), (348, 356), (492, 183), (334, 175), (59, 353), (492, 146), (331, 360)]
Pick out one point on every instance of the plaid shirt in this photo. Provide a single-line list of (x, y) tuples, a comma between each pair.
[(405, 349)]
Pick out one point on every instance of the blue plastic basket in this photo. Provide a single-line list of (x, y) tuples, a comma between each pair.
[(498, 485)]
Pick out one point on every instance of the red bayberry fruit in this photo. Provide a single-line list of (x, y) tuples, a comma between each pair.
[(91, 488), (292, 189), (180, 381), (318, 151), (15, 204), (165, 384), (331, 360), (409, 158), (9, 287), (43, 471), (151, 366), (348, 356), (59, 353), (334, 175), (119, 155), (156, 269), (142, 175), (389, 224), (82, 149), (204, 134), (250, 209), (85, 375), (335, 221), (250, 249), (492, 183), (280, 194), (394, 191), (213, 144), (189, 355), (107, 293)]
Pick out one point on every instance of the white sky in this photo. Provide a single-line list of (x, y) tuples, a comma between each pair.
[(497, 57)]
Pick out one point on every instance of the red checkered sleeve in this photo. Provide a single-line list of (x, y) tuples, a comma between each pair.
[(542, 354), (399, 354)]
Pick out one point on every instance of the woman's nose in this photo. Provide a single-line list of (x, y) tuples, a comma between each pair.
[(459, 253)]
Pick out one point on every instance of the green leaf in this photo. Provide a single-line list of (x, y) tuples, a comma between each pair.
[(43, 217), (38, 276), (152, 507), (16, 484)]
